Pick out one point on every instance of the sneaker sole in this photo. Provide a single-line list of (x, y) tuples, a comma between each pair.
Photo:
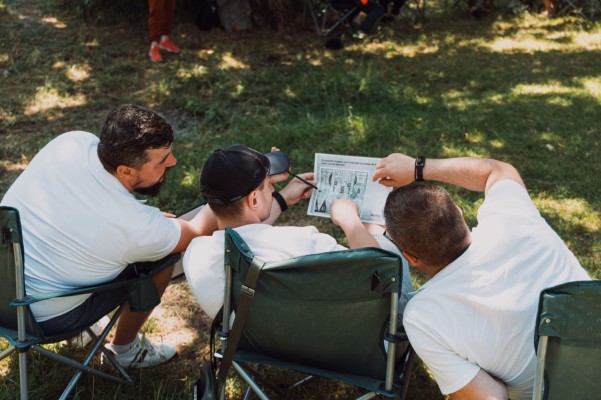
[(168, 50)]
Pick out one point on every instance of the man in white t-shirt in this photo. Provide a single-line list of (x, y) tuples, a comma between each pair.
[(473, 322), (82, 225), (237, 183)]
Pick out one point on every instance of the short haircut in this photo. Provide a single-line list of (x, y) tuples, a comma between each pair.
[(424, 221), (233, 209), (127, 133)]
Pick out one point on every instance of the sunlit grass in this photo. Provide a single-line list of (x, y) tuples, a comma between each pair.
[(524, 89), (48, 98), (571, 212), (587, 86), (230, 62), (54, 22)]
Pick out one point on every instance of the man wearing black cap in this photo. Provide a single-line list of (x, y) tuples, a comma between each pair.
[(237, 183)]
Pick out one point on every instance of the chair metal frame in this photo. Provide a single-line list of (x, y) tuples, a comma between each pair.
[(29, 336), (243, 360), (322, 11)]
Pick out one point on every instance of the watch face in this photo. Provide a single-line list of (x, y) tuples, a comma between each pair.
[(420, 161)]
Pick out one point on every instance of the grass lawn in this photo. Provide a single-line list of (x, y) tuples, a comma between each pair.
[(517, 87)]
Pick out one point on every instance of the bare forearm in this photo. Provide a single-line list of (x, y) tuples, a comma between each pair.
[(477, 174), (358, 236), (203, 223)]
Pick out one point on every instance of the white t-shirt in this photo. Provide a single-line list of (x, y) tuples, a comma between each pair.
[(80, 224), (479, 311), (204, 262)]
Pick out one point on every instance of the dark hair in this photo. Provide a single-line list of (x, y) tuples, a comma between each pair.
[(424, 221), (127, 133), (233, 209)]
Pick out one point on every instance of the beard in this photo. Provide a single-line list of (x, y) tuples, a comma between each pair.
[(154, 190), (151, 191)]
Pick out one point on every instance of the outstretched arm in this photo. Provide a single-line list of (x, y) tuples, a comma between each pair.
[(345, 214), (203, 223), (478, 174)]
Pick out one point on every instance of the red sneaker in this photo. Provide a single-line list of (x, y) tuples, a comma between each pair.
[(155, 54), (168, 45)]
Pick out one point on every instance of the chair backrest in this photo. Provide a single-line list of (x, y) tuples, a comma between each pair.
[(328, 310), (12, 278), (568, 336)]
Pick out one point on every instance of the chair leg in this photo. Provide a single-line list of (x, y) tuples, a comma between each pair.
[(7, 352), (22, 368), (79, 366), (248, 379), (23, 373), (367, 396), (302, 381), (247, 393), (98, 344)]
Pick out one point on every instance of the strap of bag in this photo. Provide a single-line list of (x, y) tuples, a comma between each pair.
[(247, 292)]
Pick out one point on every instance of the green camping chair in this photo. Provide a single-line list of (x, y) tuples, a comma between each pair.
[(325, 315), (18, 326), (568, 340)]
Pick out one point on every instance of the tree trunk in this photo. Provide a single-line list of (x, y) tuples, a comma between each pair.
[(235, 14)]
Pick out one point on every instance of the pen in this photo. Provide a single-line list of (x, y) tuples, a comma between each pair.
[(308, 183)]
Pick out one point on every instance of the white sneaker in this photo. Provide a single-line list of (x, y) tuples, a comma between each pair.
[(143, 354), (82, 339)]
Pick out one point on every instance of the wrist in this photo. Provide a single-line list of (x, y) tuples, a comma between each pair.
[(277, 196), (350, 223), (420, 163)]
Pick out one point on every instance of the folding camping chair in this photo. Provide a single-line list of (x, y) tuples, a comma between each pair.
[(18, 326), (326, 315), (328, 16), (568, 340)]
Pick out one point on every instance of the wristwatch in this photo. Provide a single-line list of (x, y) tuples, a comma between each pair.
[(420, 163), (280, 199)]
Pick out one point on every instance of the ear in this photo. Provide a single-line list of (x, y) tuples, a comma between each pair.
[(124, 173), (251, 200), (411, 258)]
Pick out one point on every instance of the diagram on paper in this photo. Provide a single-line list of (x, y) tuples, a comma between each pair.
[(349, 177), (337, 184)]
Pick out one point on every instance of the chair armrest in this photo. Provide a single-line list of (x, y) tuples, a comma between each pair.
[(397, 338), (143, 270)]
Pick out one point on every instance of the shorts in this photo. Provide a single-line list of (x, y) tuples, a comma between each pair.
[(90, 311)]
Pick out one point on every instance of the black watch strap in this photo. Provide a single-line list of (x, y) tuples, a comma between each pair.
[(420, 163), (280, 199)]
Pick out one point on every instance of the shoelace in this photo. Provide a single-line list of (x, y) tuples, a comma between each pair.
[(146, 347)]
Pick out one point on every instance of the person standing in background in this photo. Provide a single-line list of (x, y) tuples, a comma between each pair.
[(160, 22)]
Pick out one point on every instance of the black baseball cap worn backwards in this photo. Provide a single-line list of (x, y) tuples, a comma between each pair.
[(232, 172)]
